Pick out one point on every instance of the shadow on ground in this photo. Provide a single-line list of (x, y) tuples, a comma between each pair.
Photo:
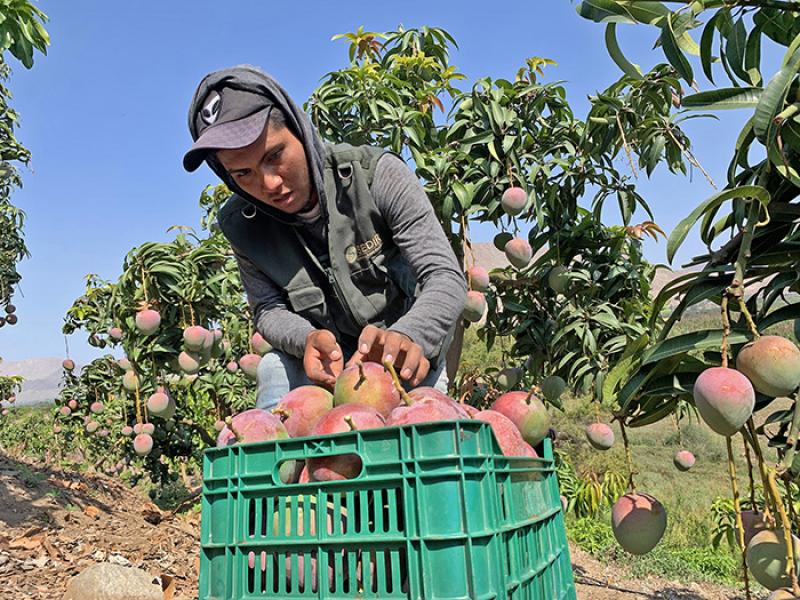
[(669, 592), (30, 492)]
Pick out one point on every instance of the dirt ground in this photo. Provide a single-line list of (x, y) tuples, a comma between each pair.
[(54, 524)]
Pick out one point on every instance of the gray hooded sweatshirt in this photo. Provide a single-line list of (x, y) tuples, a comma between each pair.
[(405, 207)]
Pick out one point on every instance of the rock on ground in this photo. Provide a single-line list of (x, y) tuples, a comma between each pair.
[(107, 581)]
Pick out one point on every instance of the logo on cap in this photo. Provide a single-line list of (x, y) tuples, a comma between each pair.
[(210, 111)]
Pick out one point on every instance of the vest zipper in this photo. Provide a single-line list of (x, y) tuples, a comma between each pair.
[(342, 300), (337, 290)]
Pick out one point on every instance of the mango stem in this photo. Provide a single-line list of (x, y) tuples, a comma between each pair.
[(396, 381), (236, 434), (738, 510), (628, 456), (281, 412), (787, 529)]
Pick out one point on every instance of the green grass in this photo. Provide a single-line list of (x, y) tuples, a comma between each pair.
[(686, 496), (685, 552), (669, 560)]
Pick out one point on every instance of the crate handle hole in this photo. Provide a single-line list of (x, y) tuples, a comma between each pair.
[(335, 467)]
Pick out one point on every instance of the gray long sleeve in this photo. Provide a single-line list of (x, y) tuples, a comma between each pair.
[(418, 234), (402, 201), (284, 330)]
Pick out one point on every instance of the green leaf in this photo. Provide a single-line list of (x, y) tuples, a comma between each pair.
[(785, 313), (724, 99), (681, 344), (706, 43), (771, 102), (617, 56), (746, 192), (673, 52), (647, 12), (791, 49), (463, 194), (734, 49), (493, 151), (624, 368), (654, 416), (604, 11), (752, 56)]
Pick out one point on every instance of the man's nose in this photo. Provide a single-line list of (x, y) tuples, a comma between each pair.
[(272, 182)]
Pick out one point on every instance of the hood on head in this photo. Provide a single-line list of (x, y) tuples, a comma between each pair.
[(252, 79)]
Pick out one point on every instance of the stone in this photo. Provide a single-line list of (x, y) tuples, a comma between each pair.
[(106, 581)]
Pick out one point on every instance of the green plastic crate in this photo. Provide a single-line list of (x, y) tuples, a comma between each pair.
[(436, 512)]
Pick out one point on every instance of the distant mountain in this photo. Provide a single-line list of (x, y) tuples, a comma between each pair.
[(42, 379)]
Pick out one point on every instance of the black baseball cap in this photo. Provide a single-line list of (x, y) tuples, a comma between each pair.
[(225, 118)]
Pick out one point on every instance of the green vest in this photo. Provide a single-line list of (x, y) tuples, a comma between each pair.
[(364, 280)]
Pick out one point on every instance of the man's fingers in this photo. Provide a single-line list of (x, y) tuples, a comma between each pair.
[(370, 335), (327, 346), (357, 357), (320, 373), (422, 371), (323, 358), (411, 362), (392, 346)]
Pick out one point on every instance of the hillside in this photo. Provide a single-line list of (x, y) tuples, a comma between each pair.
[(42, 378)]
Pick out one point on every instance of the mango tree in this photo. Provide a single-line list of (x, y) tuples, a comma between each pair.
[(750, 267), (171, 388), (512, 153), (21, 33)]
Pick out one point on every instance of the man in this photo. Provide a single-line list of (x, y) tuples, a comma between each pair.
[(341, 255)]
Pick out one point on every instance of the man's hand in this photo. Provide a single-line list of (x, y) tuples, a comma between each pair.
[(323, 359), (377, 345)]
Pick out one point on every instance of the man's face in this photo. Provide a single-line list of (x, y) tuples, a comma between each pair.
[(273, 169)]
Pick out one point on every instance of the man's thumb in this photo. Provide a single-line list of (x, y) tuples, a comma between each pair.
[(328, 346)]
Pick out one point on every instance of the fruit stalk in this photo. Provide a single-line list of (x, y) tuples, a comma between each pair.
[(144, 285), (467, 245), (736, 289), (628, 456), (787, 482), (749, 318), (531, 394), (750, 474), (281, 412), (236, 434), (726, 329), (396, 381), (738, 510), (787, 532), (139, 417), (752, 439)]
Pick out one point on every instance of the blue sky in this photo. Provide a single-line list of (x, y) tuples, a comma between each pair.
[(104, 115)]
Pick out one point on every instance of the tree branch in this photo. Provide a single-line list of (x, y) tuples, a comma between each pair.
[(779, 4)]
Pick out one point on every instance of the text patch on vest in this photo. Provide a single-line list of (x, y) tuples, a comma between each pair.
[(364, 250)]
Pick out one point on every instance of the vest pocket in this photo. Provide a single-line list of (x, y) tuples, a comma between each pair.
[(305, 298), (380, 290)]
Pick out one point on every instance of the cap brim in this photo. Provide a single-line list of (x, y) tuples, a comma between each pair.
[(226, 136)]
